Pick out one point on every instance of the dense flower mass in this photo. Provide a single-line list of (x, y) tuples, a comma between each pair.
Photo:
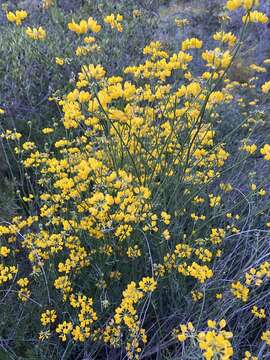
[(130, 212)]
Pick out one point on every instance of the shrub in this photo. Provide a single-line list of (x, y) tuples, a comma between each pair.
[(142, 231)]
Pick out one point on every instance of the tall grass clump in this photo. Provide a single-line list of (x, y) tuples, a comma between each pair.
[(142, 229)]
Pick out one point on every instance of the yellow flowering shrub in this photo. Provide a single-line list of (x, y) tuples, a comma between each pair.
[(127, 211)]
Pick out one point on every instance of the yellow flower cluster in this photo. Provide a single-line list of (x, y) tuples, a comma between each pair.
[(64, 329), (249, 148), (181, 22), (36, 33), (240, 291), (224, 37), (133, 252), (59, 61), (11, 135), (184, 332), (4, 251), (24, 293), (258, 276), (84, 25), (259, 313), (265, 150), (80, 329), (126, 315), (253, 278), (266, 337), (193, 268), (17, 17), (114, 21), (155, 50), (258, 69), (196, 295), (248, 356), (255, 17), (48, 317), (266, 87), (86, 316), (192, 43), (7, 273), (247, 4), (217, 59), (214, 342)]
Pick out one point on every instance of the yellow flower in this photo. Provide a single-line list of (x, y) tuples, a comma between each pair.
[(266, 151), (166, 234), (7, 273), (36, 33), (249, 148), (196, 295), (214, 200), (23, 282), (184, 331), (24, 294), (114, 21), (48, 317), (92, 72), (166, 218), (64, 329), (266, 337), (93, 25), (259, 313), (248, 356), (4, 251), (181, 22), (192, 43), (261, 192), (47, 130), (134, 252), (240, 291), (215, 344), (226, 187), (89, 39), (17, 17), (249, 4), (211, 324), (80, 28), (147, 284), (229, 38), (59, 61), (217, 58), (258, 69), (233, 4), (255, 17), (266, 87)]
